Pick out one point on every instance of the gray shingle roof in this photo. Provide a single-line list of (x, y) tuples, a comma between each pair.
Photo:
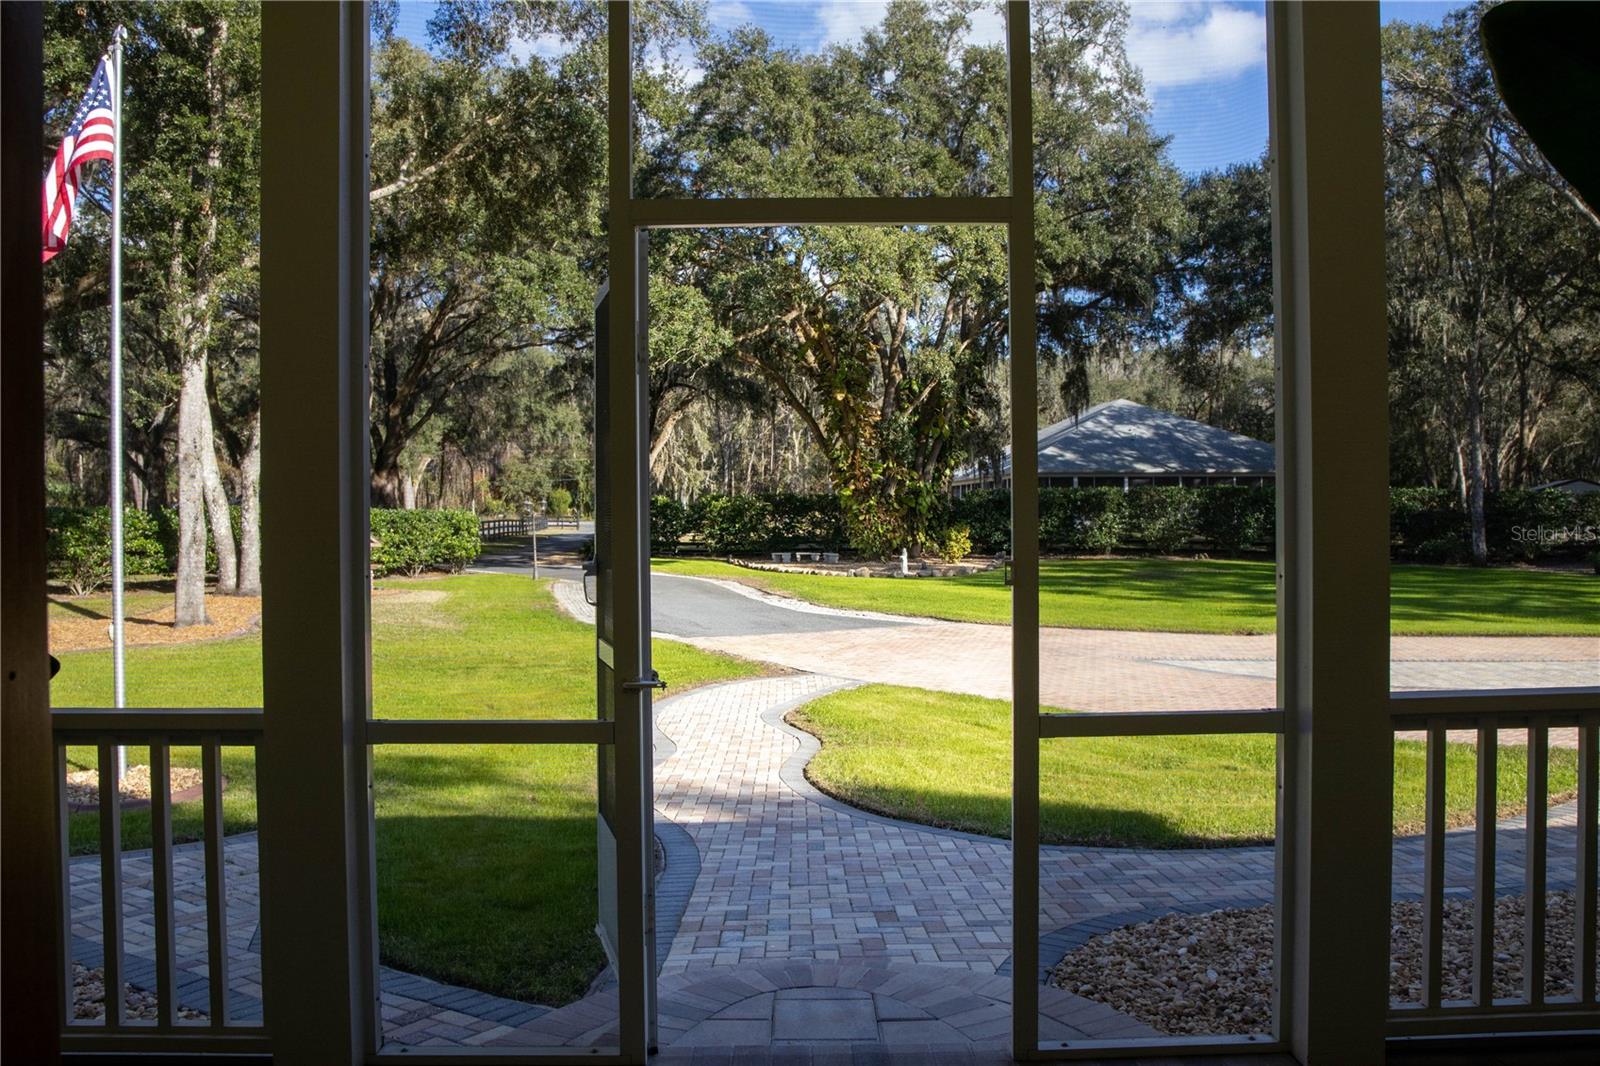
[(1126, 438)]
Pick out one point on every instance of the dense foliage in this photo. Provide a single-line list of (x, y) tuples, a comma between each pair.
[(864, 364), (411, 542)]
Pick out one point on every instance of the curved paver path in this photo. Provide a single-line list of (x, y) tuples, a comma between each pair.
[(804, 918), (879, 921)]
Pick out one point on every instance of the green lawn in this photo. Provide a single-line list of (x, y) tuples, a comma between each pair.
[(1199, 596), (945, 760), (486, 854)]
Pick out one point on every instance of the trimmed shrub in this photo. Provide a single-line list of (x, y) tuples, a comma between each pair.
[(560, 501), (414, 541), (78, 546), (955, 544), (1235, 518), (1431, 517), (669, 522), (1092, 520), (733, 525), (1162, 517), (986, 514)]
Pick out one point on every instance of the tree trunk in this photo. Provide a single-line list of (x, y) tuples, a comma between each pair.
[(408, 492), (1475, 476), (218, 510), (193, 406), (385, 485), (250, 512)]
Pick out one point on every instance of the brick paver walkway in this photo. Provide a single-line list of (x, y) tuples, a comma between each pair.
[(805, 916)]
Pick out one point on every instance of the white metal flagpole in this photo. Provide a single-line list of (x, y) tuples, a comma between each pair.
[(118, 666)]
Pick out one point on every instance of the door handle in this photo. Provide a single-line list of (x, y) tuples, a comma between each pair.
[(588, 572), (653, 681)]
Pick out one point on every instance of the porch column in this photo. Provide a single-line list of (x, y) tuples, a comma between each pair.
[(316, 913), (30, 893), (1333, 608)]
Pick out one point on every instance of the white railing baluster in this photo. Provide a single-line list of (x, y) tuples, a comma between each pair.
[(1533, 860), (161, 881), (110, 783), (1433, 868), (1483, 897), (64, 829), (216, 882), (1588, 872)]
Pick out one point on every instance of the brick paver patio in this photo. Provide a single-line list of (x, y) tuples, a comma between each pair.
[(790, 917), (803, 910)]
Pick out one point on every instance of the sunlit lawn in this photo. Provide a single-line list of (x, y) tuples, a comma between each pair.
[(486, 854), (1199, 596), (945, 759)]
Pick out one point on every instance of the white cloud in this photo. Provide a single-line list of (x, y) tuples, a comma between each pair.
[(988, 26), (546, 46), (1184, 43), (846, 22)]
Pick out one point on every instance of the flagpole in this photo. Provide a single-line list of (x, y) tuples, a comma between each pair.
[(118, 665)]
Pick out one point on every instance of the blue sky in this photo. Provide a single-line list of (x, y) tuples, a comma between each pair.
[(1204, 61)]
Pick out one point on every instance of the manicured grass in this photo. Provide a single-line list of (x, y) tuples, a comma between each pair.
[(944, 759), (486, 854), (1199, 596)]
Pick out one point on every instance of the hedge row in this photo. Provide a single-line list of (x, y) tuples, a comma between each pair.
[(1426, 525), (78, 544), (1521, 525), (1226, 519), (748, 524)]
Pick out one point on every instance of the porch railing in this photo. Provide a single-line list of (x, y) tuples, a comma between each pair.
[(1531, 1008), (176, 1027)]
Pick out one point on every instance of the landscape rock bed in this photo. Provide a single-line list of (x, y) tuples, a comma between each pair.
[(89, 999), (1212, 973), (83, 786), (863, 568)]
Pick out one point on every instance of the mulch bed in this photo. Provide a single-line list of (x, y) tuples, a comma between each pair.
[(230, 616), (1212, 973)]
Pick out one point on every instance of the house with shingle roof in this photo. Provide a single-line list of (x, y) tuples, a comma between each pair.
[(1126, 444)]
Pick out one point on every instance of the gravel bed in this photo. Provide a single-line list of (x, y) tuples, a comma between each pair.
[(83, 786), (89, 999), (1212, 973)]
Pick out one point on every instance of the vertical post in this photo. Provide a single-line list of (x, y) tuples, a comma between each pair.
[(118, 653), (31, 894), (631, 649), (1020, 326), (1483, 897), (312, 761), (1535, 856), (1433, 867), (1588, 870), (1331, 337)]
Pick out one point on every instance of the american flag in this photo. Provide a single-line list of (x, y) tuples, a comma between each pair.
[(91, 136)]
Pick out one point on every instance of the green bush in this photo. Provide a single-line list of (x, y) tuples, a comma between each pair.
[(560, 501), (1235, 518), (1092, 520), (1162, 517), (413, 541), (955, 544), (734, 525), (986, 514), (669, 523), (78, 546)]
